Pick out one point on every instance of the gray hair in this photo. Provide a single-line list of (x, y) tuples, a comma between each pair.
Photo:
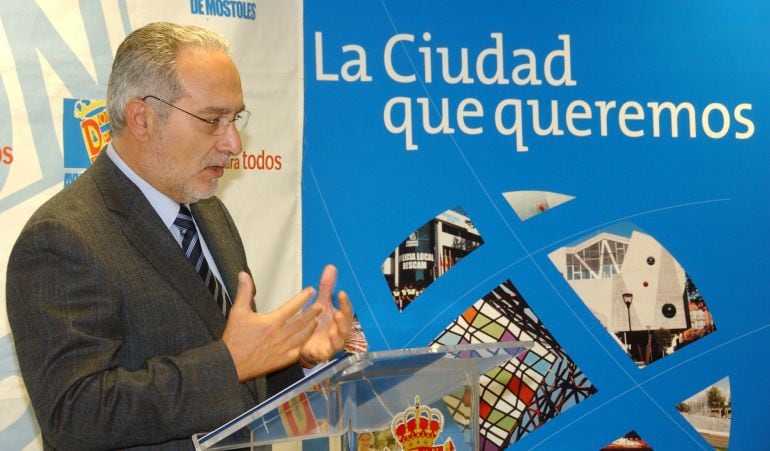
[(145, 64)]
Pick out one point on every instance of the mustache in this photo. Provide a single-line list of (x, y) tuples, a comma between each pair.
[(222, 162)]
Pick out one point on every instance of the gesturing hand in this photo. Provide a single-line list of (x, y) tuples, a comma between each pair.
[(260, 343), (333, 325)]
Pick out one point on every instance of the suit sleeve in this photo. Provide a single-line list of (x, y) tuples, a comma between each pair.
[(65, 312)]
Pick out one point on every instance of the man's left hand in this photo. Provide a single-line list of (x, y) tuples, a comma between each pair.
[(333, 324)]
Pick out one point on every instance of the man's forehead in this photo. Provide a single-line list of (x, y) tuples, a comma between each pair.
[(211, 79), (206, 63)]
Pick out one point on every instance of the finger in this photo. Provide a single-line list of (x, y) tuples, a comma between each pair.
[(305, 332), (326, 284), (309, 314), (319, 350), (298, 331), (298, 328), (294, 305), (345, 321), (244, 294)]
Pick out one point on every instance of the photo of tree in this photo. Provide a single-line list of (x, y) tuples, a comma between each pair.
[(710, 412)]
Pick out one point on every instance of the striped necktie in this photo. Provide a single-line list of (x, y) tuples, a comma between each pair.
[(192, 249)]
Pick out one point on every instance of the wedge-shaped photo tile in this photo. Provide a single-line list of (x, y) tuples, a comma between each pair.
[(630, 441), (356, 341), (428, 253), (527, 204), (523, 394), (637, 290), (710, 412)]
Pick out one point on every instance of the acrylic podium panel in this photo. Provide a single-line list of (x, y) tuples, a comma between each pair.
[(365, 392)]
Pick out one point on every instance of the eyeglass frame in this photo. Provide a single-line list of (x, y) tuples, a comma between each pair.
[(220, 122)]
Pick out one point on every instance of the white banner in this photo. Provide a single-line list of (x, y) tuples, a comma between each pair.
[(57, 53)]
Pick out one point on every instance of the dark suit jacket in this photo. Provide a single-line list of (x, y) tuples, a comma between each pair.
[(118, 340)]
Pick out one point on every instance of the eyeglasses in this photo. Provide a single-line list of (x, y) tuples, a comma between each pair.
[(217, 126)]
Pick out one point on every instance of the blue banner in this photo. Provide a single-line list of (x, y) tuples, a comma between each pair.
[(606, 162)]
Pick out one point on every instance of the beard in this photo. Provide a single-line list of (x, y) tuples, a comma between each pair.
[(176, 181)]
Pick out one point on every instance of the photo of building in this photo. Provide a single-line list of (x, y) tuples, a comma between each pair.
[(429, 252), (638, 291)]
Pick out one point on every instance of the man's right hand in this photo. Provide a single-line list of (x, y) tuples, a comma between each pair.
[(260, 343)]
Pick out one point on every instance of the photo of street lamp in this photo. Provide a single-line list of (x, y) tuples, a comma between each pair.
[(627, 299)]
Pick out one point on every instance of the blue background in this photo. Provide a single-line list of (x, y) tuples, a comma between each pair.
[(703, 199)]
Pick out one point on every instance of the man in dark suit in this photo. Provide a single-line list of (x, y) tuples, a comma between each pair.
[(120, 342)]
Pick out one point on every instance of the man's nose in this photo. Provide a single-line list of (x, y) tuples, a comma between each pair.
[(230, 140)]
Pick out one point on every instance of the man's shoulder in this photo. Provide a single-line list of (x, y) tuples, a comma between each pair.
[(74, 201), (80, 203)]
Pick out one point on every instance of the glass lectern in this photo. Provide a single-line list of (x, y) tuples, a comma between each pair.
[(421, 395)]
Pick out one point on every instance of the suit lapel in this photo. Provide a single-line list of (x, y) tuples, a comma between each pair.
[(144, 229)]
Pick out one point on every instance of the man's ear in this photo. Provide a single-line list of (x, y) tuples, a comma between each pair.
[(139, 119)]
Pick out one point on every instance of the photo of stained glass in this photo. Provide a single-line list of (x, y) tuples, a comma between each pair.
[(428, 253), (523, 394)]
